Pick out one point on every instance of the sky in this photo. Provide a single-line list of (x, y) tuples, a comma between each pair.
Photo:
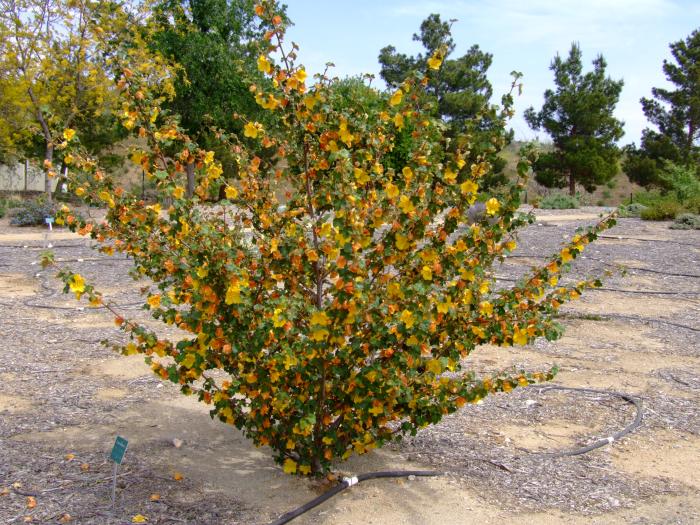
[(522, 35)]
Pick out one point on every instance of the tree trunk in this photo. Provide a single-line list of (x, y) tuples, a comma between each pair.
[(47, 180), (572, 184), (190, 179)]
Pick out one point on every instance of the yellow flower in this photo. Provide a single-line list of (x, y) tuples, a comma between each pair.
[(320, 318), (360, 176), (520, 337), (214, 170), (80, 191), (231, 192), (450, 176), (486, 308), (406, 204), (178, 192), (77, 285), (492, 206), (427, 273), (264, 64), (300, 75), (289, 466), (392, 191), (434, 366), (277, 318), (468, 187), (435, 61), (398, 121), (252, 129), (407, 173), (68, 134), (566, 255), (407, 318), (401, 242), (320, 334), (153, 301), (395, 99)]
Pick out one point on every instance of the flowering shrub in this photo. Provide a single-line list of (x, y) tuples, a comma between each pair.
[(331, 299)]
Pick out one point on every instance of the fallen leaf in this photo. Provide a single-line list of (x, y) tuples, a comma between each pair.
[(17, 485), (28, 519), (85, 467), (177, 476), (155, 497), (66, 518), (139, 518), (31, 502), (5, 491), (69, 457), (177, 443)]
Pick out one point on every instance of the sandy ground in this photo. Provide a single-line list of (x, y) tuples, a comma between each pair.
[(64, 398)]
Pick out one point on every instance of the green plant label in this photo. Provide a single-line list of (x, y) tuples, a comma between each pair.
[(119, 450)]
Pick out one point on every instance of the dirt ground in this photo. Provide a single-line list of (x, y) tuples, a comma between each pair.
[(64, 398)]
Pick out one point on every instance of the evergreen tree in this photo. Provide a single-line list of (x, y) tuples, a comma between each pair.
[(578, 115), (215, 43), (460, 88), (676, 115)]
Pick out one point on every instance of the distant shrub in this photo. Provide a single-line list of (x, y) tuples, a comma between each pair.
[(32, 212), (3, 208), (559, 201), (631, 210), (686, 221), (662, 210)]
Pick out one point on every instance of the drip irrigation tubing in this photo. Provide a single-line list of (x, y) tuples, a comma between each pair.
[(636, 422), (619, 238), (647, 320), (621, 290), (347, 483)]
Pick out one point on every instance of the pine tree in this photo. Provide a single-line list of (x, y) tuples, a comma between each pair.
[(676, 115), (578, 115), (460, 88)]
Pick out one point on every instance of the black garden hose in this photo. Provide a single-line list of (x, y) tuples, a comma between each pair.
[(347, 483), (605, 441)]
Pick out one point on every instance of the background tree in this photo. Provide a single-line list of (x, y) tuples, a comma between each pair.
[(460, 90), (578, 115), (676, 115), (215, 42), (51, 59)]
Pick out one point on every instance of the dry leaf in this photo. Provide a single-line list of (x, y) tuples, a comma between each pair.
[(155, 497), (69, 457), (28, 519), (31, 502), (139, 518), (177, 476), (177, 443), (5, 491), (17, 485), (85, 467), (66, 518)]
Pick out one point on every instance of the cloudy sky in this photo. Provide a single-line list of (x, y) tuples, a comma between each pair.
[(522, 35)]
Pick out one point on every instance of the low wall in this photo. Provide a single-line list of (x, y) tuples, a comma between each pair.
[(13, 178)]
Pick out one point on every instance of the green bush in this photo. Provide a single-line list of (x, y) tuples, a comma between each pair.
[(686, 221), (559, 201), (32, 212), (633, 209), (3, 208), (662, 210)]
